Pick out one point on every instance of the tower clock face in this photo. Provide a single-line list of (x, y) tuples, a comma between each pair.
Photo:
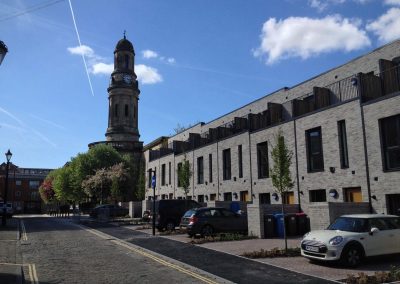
[(127, 78)]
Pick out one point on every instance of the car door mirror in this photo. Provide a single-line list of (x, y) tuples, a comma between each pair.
[(373, 230)]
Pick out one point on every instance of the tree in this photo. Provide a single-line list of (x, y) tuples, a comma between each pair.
[(184, 175), (46, 190), (280, 172)]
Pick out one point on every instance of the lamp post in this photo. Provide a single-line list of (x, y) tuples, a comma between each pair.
[(153, 185), (4, 218), (3, 51)]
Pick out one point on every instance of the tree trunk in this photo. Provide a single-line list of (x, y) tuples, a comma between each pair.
[(284, 224)]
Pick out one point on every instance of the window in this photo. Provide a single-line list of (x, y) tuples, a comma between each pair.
[(163, 174), (35, 195), (171, 196), (228, 196), (200, 198), (179, 169), (288, 197), (200, 170), (126, 111), (390, 137), (352, 194), (116, 110), (344, 157), (315, 158), (169, 173), (226, 163), (262, 160), (240, 165), (33, 184), (210, 171), (126, 61), (213, 196), (317, 195), (265, 198), (18, 182), (244, 196)]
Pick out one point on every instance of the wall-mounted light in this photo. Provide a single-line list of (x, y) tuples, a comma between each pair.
[(301, 192), (374, 197), (354, 81), (235, 195), (332, 169), (275, 196), (206, 197), (375, 178), (253, 195), (333, 193)]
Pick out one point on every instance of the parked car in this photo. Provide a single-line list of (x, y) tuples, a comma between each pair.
[(209, 220), (9, 209), (170, 211), (351, 238), (114, 210)]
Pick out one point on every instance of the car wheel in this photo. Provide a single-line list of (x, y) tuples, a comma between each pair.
[(352, 255), (207, 231), (170, 226)]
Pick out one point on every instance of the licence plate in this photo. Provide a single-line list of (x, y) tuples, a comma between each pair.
[(311, 248)]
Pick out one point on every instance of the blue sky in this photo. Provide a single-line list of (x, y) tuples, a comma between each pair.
[(196, 60)]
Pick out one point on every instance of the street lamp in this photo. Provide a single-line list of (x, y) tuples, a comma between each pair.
[(153, 185), (4, 219), (3, 51)]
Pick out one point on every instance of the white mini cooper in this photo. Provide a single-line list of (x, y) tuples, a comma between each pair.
[(350, 238)]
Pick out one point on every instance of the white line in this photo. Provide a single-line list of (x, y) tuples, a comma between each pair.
[(80, 44), (35, 277), (30, 273), (24, 235)]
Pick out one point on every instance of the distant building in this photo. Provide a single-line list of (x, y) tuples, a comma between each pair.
[(23, 187), (343, 127), (123, 105)]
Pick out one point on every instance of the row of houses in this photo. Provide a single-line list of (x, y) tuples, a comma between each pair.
[(343, 127)]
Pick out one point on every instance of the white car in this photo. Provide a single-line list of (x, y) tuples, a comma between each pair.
[(350, 238)]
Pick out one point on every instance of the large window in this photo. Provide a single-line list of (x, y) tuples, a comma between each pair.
[(163, 174), (149, 178), (240, 162), (169, 173), (317, 195), (228, 196), (390, 137), (315, 158), (179, 170), (200, 170), (265, 198), (226, 163), (344, 157), (262, 160), (210, 169), (34, 184)]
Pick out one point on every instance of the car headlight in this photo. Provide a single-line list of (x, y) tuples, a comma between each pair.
[(336, 240)]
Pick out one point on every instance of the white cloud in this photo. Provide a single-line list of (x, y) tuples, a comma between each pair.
[(387, 26), (79, 50), (304, 37), (322, 5), (102, 68), (392, 2), (149, 54), (171, 60), (147, 74)]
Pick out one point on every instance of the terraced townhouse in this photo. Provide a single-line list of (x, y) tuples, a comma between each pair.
[(343, 127)]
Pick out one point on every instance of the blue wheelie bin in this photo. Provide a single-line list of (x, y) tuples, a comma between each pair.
[(279, 224)]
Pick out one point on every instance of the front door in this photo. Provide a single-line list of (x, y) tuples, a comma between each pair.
[(352, 194)]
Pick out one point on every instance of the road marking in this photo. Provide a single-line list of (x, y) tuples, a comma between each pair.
[(24, 235), (153, 257), (32, 274)]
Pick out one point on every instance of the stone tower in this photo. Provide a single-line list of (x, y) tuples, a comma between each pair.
[(123, 95)]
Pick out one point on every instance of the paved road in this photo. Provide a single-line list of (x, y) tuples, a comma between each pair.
[(230, 267), (54, 251)]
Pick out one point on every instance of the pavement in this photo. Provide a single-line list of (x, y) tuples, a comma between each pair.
[(10, 259)]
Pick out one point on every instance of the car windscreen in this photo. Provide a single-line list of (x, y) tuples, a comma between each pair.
[(349, 224), (189, 213)]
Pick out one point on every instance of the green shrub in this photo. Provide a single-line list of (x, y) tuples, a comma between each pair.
[(275, 252), (379, 277)]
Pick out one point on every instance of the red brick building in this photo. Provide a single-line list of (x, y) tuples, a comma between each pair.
[(23, 187)]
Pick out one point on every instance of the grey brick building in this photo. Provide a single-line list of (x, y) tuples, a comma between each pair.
[(343, 127)]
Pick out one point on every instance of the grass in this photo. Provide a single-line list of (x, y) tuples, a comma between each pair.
[(275, 252)]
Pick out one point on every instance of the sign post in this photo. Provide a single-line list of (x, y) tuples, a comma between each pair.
[(153, 185)]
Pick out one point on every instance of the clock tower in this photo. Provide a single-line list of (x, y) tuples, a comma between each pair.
[(123, 95)]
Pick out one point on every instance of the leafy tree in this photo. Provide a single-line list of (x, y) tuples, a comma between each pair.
[(141, 185), (184, 175), (280, 172), (46, 190)]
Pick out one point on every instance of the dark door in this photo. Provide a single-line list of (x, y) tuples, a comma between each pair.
[(393, 204)]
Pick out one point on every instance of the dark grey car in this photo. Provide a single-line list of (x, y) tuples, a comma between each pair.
[(114, 210), (209, 220)]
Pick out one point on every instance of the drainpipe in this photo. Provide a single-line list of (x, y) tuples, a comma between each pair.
[(251, 170), (217, 172), (366, 158), (297, 164)]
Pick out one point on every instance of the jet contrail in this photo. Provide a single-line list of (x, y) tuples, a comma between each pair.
[(80, 44)]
